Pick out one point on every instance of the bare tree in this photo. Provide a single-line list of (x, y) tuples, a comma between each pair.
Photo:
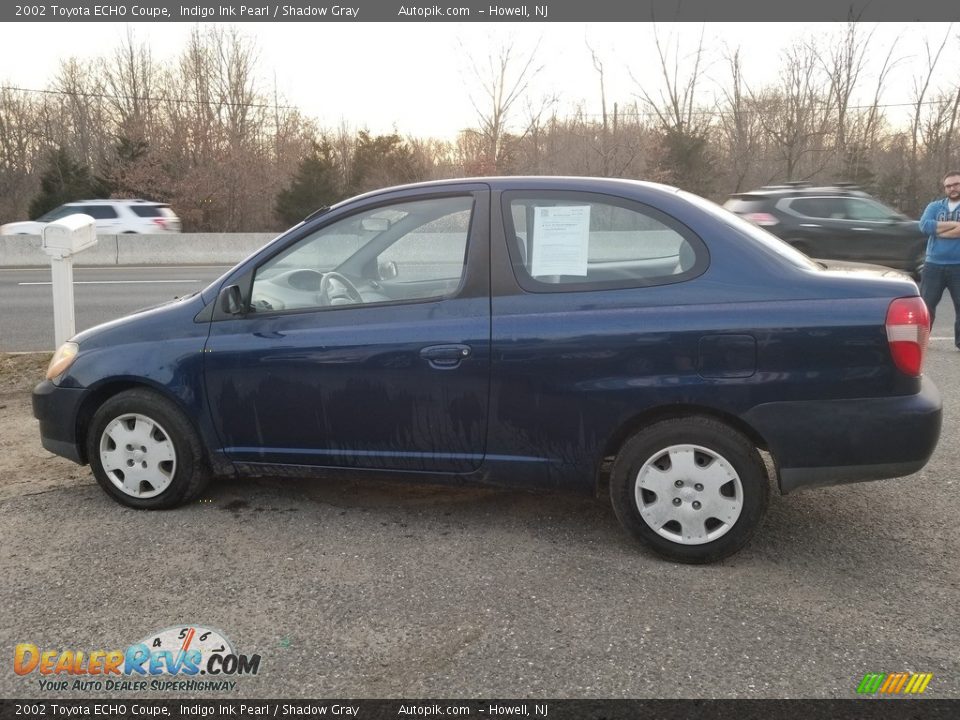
[(676, 109), (130, 78), (605, 130), (685, 157), (20, 146), (921, 85), (797, 114), (504, 78), (82, 122), (739, 126)]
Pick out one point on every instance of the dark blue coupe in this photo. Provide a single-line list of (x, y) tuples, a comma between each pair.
[(575, 334)]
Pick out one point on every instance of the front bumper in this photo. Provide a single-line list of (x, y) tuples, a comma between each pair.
[(842, 441), (56, 408)]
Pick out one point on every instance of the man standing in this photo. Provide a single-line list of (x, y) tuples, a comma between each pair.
[(941, 268)]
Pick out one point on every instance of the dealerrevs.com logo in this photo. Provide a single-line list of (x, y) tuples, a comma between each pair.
[(183, 659)]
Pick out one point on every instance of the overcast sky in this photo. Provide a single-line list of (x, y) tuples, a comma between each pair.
[(416, 78)]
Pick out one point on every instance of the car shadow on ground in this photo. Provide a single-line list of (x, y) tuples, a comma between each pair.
[(836, 528)]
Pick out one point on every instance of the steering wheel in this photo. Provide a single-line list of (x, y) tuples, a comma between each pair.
[(335, 289)]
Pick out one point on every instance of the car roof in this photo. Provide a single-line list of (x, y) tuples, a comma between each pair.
[(526, 182), (115, 201), (801, 189)]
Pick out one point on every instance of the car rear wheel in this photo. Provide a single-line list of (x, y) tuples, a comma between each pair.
[(144, 452), (692, 489), (917, 273)]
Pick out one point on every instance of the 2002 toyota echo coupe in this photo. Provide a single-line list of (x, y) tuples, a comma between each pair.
[(561, 333)]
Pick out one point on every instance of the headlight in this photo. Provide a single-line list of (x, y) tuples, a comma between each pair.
[(62, 360)]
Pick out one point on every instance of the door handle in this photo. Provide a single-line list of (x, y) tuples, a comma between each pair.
[(444, 357)]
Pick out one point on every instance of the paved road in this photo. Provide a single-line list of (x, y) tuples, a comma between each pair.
[(101, 294)]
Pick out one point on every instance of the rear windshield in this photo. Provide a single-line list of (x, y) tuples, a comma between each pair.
[(742, 205), (147, 211), (769, 241)]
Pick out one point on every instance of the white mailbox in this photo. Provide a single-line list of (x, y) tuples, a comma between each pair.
[(69, 235), (62, 239)]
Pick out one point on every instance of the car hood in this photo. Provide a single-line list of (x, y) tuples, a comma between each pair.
[(25, 227), (168, 319)]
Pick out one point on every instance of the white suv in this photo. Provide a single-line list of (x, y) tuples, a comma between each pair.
[(113, 217)]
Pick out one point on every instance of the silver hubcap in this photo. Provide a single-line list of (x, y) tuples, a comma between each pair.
[(138, 455), (689, 494)]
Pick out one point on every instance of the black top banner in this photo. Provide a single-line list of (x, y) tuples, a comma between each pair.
[(482, 11)]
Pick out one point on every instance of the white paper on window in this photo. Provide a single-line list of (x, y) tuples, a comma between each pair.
[(561, 239)]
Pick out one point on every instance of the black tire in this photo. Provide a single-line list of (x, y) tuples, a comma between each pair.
[(717, 448), (917, 272), (168, 432)]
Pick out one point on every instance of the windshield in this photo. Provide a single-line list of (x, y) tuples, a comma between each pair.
[(768, 240), (58, 213)]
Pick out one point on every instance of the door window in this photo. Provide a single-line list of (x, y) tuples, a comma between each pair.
[(99, 212), (869, 211), (820, 207), (413, 250)]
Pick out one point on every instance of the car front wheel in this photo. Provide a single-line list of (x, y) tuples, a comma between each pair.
[(144, 452), (693, 489)]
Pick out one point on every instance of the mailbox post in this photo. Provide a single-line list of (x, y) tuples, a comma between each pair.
[(62, 239)]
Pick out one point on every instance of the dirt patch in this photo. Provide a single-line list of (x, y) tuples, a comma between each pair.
[(25, 467), (21, 371)]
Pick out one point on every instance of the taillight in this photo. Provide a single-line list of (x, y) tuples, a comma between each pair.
[(762, 219), (908, 331), (161, 223)]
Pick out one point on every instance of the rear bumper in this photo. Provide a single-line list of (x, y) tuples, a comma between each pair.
[(56, 408), (842, 441)]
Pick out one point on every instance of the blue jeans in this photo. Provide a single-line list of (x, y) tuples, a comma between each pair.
[(933, 281)]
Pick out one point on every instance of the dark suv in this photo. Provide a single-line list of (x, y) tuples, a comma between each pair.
[(839, 222)]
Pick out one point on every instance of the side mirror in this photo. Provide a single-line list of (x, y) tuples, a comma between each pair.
[(231, 301), (387, 270)]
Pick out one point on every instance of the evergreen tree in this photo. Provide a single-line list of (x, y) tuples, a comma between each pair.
[(314, 185), (63, 181), (380, 161), (685, 161)]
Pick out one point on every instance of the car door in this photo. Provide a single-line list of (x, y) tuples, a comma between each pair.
[(364, 341), (107, 220), (820, 228), (879, 234), (583, 282), (851, 228)]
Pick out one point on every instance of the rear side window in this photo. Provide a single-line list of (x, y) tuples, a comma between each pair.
[(149, 211), (567, 241), (742, 206)]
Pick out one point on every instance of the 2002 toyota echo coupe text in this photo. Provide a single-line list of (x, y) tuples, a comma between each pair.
[(562, 333)]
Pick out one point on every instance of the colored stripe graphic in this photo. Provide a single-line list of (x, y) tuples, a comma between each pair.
[(871, 683), (894, 683)]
